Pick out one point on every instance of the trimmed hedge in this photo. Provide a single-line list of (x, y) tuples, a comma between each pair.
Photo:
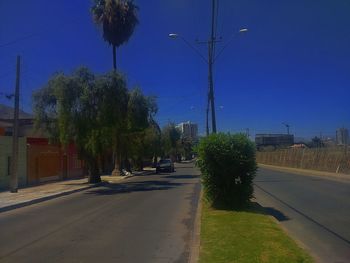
[(228, 167)]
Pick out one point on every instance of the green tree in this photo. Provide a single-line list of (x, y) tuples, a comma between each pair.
[(113, 112), (141, 112), (153, 137), (170, 141), (146, 146), (118, 19), (228, 166), (83, 109), (187, 145)]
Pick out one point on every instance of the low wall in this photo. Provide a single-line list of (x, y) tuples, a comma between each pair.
[(48, 162), (322, 159)]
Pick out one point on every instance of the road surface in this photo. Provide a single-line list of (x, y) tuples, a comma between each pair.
[(144, 219), (313, 209)]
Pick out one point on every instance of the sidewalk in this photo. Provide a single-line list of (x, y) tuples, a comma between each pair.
[(36, 194)]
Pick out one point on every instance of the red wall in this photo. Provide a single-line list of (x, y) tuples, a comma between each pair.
[(39, 149)]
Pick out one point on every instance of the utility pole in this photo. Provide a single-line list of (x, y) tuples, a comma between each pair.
[(211, 51), (210, 60), (207, 116), (14, 159), (211, 55)]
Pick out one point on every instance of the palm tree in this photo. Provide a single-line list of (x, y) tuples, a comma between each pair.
[(118, 19)]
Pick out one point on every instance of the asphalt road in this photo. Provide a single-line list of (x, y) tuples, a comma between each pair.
[(313, 210), (144, 219)]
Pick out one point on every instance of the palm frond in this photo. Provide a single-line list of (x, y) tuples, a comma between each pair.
[(118, 19)]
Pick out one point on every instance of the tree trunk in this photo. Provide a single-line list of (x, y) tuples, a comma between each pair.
[(117, 156), (155, 160), (94, 175), (141, 164), (127, 165), (114, 58)]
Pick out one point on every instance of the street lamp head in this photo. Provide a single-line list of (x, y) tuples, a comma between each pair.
[(243, 30), (173, 35)]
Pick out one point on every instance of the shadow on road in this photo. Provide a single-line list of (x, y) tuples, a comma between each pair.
[(143, 173), (128, 187), (181, 176), (275, 213)]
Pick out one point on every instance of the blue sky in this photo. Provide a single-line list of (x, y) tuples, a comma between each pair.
[(292, 66)]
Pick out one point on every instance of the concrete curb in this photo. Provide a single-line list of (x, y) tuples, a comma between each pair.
[(64, 193), (46, 198), (195, 239)]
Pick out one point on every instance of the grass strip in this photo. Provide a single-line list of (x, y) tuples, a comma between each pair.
[(245, 236)]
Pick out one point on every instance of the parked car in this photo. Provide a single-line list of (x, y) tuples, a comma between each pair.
[(165, 165)]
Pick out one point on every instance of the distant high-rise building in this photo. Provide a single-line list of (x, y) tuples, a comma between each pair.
[(276, 140), (189, 130), (342, 136)]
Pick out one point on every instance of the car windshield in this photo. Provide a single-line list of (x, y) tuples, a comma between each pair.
[(164, 161)]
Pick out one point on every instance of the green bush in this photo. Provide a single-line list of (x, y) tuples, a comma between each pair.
[(228, 167)]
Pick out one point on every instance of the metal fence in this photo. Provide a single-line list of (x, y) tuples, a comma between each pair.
[(323, 159)]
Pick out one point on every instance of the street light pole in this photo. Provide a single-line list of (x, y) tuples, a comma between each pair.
[(212, 57), (208, 61)]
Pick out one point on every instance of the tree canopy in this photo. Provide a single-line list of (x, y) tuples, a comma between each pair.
[(118, 19), (170, 141), (92, 111)]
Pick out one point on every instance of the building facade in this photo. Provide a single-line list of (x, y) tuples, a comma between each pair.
[(50, 162), (189, 130), (342, 136), (38, 160), (275, 140)]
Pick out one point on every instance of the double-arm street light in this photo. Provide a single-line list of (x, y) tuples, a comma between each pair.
[(212, 57)]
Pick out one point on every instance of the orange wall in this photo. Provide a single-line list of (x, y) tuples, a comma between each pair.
[(43, 161), (46, 161)]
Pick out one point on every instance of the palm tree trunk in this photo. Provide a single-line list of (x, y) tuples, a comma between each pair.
[(114, 57)]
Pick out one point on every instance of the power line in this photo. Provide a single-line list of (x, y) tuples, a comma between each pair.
[(18, 40)]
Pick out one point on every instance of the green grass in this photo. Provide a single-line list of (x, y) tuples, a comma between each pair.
[(245, 236)]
